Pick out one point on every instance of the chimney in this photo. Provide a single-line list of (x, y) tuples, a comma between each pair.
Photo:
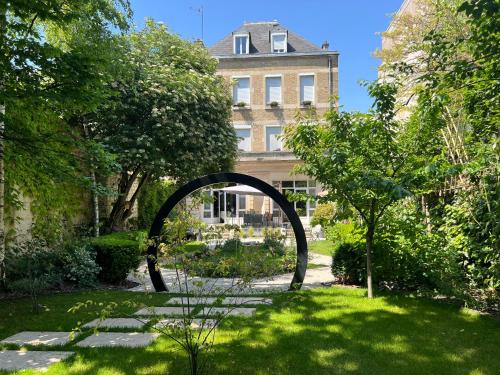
[(325, 45)]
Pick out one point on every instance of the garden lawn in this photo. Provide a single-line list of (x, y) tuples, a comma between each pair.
[(324, 247), (322, 331)]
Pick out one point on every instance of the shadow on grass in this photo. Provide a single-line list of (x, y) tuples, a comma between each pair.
[(324, 331)]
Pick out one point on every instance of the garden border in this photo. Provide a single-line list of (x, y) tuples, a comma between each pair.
[(196, 184)]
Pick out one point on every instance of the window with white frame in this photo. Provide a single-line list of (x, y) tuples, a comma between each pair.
[(278, 43), (273, 141), (307, 88), (241, 90), (306, 187), (241, 44), (244, 138), (273, 89)]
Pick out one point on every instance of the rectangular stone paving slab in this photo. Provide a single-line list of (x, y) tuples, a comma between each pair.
[(230, 311), (117, 323), (11, 360), (225, 301), (247, 301), (39, 338), (161, 310), (192, 301), (195, 323), (118, 339)]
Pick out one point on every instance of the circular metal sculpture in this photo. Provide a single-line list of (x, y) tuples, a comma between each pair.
[(216, 178)]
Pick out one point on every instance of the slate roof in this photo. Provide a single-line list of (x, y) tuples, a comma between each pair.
[(260, 40)]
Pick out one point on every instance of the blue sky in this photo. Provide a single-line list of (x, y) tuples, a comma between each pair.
[(349, 25)]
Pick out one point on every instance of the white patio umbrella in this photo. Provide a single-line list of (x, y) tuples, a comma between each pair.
[(241, 189)]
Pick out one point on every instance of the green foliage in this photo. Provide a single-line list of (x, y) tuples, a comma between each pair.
[(151, 198), (475, 245), (31, 267), (232, 245), (274, 242), (46, 84), (116, 257), (79, 264), (251, 231), (366, 161), (242, 261), (170, 118), (349, 263), (323, 214), (194, 247), (344, 232)]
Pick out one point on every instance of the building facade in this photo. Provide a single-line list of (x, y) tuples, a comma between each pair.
[(274, 73)]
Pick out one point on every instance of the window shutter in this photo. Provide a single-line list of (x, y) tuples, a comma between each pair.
[(307, 88), (273, 89), (241, 91)]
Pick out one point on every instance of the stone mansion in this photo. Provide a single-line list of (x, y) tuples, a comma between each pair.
[(274, 73)]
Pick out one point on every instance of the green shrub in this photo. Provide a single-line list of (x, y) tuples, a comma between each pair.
[(79, 264), (194, 247), (349, 263), (116, 257), (150, 200), (344, 232), (232, 245), (31, 267), (323, 214), (274, 242)]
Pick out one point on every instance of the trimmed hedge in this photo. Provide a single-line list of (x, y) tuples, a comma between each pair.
[(117, 255)]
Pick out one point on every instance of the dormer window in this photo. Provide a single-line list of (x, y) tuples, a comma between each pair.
[(241, 44), (278, 42)]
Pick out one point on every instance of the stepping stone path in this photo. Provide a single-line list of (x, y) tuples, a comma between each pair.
[(39, 338), (117, 323), (11, 360), (16, 359), (115, 339)]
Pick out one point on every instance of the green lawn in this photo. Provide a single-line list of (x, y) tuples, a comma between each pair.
[(323, 331), (324, 247)]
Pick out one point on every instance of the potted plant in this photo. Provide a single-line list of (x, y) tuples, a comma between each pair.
[(307, 103), (241, 105), (274, 104)]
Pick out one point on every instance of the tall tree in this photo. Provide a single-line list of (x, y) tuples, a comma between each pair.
[(39, 80), (364, 161), (171, 117)]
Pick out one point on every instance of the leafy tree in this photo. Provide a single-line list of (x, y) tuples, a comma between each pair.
[(448, 55), (364, 161), (171, 117), (39, 82)]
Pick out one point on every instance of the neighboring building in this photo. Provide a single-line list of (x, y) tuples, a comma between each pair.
[(395, 48), (275, 73)]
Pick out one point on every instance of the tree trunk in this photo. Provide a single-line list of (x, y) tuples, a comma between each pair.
[(123, 206), (95, 201), (95, 195), (2, 198), (193, 363), (3, 30), (370, 231), (425, 209)]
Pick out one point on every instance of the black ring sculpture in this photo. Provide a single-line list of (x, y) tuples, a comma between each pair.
[(271, 192)]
